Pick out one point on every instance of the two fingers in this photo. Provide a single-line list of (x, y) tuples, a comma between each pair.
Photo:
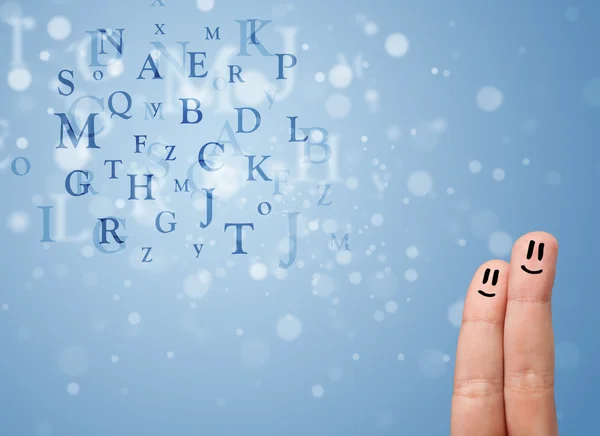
[(504, 378)]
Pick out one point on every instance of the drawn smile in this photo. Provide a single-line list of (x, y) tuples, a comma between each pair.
[(527, 270)]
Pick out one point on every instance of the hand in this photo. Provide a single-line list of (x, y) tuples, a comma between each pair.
[(504, 376)]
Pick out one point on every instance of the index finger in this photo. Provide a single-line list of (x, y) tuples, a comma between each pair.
[(529, 339)]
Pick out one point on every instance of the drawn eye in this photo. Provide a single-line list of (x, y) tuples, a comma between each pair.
[(532, 247), (541, 251), (486, 276)]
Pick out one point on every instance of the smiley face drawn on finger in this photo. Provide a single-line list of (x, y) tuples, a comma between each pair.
[(486, 276), (540, 256)]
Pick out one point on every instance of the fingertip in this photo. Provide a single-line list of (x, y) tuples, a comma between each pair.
[(492, 265), (496, 264), (486, 296), (534, 255), (548, 239)]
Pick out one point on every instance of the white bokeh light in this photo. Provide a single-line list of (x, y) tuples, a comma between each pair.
[(412, 252), (59, 28), (396, 45), (411, 275), (323, 285), (455, 313), (227, 181), (259, 271), (420, 183), (205, 5), (71, 158), (391, 306), (498, 174), (554, 178), (289, 327), (394, 132), (377, 219), (329, 226), (38, 273), (571, 14), (317, 391), (134, 318), (197, 285), (18, 222), (340, 76), (355, 277), (73, 388), (500, 243), (73, 361), (22, 143), (116, 68), (352, 183), (100, 206), (343, 257), (19, 79), (475, 166), (338, 106), (489, 98), (87, 251), (280, 273), (251, 91), (379, 316), (90, 279)]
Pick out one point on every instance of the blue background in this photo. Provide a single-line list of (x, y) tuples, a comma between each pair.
[(97, 344)]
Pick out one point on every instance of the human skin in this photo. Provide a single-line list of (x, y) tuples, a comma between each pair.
[(504, 375)]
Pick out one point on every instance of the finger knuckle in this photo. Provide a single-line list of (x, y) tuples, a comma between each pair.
[(478, 387), (529, 382)]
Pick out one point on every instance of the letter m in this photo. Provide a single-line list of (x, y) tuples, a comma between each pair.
[(65, 126), (333, 243), (179, 187), (212, 35)]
